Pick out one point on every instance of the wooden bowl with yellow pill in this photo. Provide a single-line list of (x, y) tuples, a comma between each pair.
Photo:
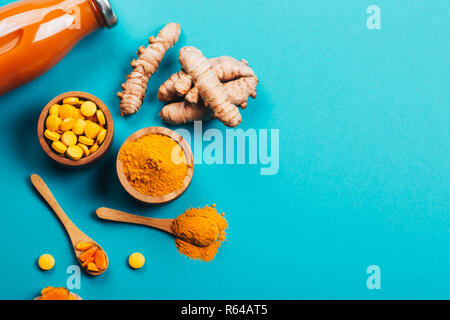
[(155, 165), (75, 129)]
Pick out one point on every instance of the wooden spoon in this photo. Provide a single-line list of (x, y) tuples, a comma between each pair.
[(75, 234), (161, 224)]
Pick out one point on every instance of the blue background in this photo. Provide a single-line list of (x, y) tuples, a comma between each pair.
[(364, 157)]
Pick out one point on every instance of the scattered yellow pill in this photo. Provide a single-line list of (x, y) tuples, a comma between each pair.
[(59, 147), (52, 123), (46, 262), (66, 111), (101, 136), (94, 148), (51, 135), (101, 118), (75, 152), (79, 127), (86, 141), (54, 110), (67, 124), (69, 138), (88, 108), (70, 100), (92, 130), (136, 260), (85, 149)]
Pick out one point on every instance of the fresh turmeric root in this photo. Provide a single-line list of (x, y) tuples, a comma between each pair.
[(176, 87), (183, 112), (144, 67), (209, 86), (237, 90), (179, 84)]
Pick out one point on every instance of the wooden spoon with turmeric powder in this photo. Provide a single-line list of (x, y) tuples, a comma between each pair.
[(83, 246), (190, 231)]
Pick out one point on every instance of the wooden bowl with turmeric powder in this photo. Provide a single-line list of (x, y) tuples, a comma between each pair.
[(155, 165)]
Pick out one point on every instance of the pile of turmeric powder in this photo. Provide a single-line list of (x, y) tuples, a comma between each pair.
[(154, 164), (202, 226), (51, 293)]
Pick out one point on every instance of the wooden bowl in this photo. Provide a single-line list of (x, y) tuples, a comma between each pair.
[(174, 194), (91, 159)]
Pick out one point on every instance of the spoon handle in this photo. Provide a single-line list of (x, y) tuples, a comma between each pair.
[(45, 192), (120, 216)]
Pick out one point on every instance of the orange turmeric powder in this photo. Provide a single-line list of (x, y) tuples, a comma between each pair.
[(200, 231), (150, 166), (51, 293), (207, 222)]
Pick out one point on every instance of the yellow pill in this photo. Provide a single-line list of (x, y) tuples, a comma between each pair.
[(66, 111), (101, 136), (46, 262), (77, 114), (136, 260), (67, 124), (86, 141), (101, 118), (80, 102), (50, 135), (88, 108), (54, 110), (69, 138), (79, 126), (85, 149), (75, 152), (92, 130), (70, 100), (52, 123), (59, 147), (94, 148)]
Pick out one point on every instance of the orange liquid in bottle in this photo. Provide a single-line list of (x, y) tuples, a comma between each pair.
[(36, 34)]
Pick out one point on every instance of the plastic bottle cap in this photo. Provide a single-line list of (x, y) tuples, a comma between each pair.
[(105, 9)]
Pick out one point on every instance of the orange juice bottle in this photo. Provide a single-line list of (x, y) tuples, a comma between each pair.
[(36, 34)]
